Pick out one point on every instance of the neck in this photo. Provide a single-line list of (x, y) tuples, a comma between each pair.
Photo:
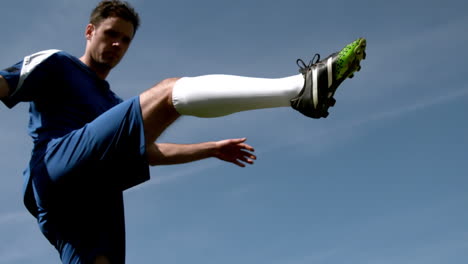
[(101, 70)]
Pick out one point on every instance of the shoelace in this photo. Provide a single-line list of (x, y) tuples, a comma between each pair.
[(303, 68)]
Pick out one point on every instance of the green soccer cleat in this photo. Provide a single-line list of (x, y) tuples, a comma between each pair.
[(322, 78)]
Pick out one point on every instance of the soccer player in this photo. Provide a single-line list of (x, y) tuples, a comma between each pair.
[(90, 145)]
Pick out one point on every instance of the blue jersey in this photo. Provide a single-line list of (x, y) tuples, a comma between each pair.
[(64, 95)]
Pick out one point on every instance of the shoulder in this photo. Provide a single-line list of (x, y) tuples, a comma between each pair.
[(41, 58), (54, 55), (50, 61)]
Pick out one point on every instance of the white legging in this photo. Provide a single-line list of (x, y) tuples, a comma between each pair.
[(219, 95)]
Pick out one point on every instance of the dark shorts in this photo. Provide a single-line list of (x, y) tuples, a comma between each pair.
[(78, 182)]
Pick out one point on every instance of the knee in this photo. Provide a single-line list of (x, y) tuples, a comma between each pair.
[(165, 85), (160, 91), (170, 81)]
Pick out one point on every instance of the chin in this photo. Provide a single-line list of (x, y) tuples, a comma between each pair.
[(112, 63), (108, 63)]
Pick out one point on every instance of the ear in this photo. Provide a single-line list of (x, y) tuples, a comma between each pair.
[(89, 31)]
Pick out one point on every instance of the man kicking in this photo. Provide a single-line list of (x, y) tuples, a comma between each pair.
[(90, 146)]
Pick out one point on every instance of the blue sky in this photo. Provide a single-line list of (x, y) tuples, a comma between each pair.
[(383, 180)]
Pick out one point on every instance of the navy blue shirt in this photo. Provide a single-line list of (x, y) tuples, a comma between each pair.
[(64, 95)]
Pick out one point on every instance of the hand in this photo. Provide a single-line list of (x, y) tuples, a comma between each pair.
[(4, 88), (235, 151)]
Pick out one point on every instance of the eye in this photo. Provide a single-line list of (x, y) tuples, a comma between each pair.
[(126, 40), (111, 33)]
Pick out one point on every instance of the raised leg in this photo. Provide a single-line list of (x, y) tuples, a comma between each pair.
[(157, 109)]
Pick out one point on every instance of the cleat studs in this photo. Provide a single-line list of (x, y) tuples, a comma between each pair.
[(363, 42)]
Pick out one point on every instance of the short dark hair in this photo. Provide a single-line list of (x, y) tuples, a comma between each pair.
[(115, 8)]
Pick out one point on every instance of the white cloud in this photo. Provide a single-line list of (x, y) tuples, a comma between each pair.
[(420, 105)]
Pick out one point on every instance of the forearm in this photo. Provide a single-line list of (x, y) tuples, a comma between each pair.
[(230, 150), (168, 153), (4, 88)]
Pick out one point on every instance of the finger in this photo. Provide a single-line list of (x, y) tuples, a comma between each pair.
[(246, 160), (238, 163), (247, 147), (238, 140), (249, 155)]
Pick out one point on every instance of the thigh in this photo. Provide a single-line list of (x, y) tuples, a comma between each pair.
[(157, 108), (116, 138)]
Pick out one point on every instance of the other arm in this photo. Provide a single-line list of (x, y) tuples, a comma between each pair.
[(230, 150), (4, 87)]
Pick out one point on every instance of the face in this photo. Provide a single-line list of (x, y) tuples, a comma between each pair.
[(108, 41)]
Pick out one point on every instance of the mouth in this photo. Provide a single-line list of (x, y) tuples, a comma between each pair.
[(111, 55)]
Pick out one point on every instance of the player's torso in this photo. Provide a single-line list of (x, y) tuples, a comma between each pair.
[(72, 97)]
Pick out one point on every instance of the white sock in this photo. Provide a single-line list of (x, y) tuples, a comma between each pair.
[(219, 95)]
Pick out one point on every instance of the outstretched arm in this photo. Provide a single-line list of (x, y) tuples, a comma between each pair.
[(4, 88), (229, 150)]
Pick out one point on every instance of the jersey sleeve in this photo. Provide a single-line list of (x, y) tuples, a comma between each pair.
[(25, 77)]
